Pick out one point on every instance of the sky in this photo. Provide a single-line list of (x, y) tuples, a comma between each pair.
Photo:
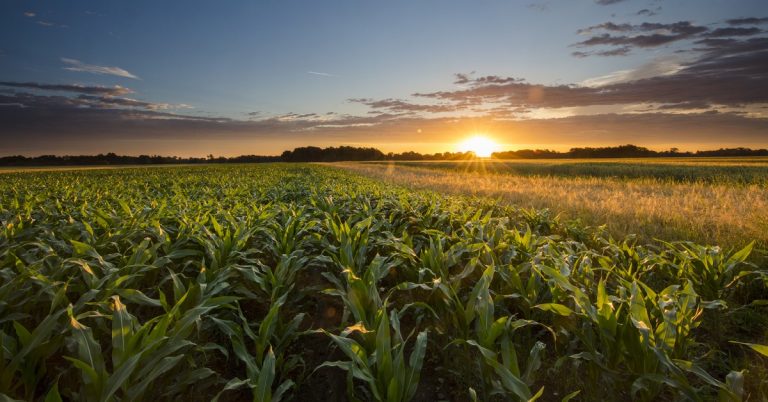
[(192, 78)]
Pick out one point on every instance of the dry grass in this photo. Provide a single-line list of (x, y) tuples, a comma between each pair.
[(726, 214)]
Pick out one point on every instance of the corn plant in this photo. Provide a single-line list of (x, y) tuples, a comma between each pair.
[(194, 282), (141, 353), (360, 294), (383, 366), (267, 360)]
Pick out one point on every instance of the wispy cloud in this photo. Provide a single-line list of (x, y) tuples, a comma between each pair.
[(748, 21), (50, 24), (320, 74), (728, 32), (403, 107), (661, 66), (540, 7), (29, 14), (648, 12), (91, 97), (116, 90), (79, 66)]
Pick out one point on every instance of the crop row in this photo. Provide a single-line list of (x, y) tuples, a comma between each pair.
[(280, 282)]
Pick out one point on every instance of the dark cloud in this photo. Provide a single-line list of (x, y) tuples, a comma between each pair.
[(116, 90), (726, 32), (648, 13), (645, 35), (493, 79), (678, 28), (713, 43), (726, 72), (81, 101), (45, 103), (606, 26), (637, 41), (619, 51), (400, 106), (462, 78), (607, 2), (748, 21), (296, 116)]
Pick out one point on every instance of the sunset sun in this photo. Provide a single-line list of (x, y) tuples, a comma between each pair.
[(481, 145)]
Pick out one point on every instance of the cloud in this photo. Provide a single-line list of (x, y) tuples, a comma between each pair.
[(727, 32), (29, 14), (725, 72), (619, 51), (400, 106), (714, 84), (116, 90), (648, 13), (462, 79), (607, 2), (92, 97), (45, 105), (77, 65), (68, 129), (645, 35), (540, 7), (661, 66), (685, 106), (50, 24), (625, 37), (320, 74), (748, 21), (106, 101)]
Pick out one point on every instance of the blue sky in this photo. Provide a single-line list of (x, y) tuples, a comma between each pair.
[(311, 72)]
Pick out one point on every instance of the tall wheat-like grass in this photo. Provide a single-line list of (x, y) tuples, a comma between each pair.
[(726, 214)]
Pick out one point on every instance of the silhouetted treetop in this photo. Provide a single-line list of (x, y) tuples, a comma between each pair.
[(348, 153)]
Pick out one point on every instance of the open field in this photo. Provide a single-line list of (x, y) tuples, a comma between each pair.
[(708, 200), (305, 282), (745, 170), (16, 169)]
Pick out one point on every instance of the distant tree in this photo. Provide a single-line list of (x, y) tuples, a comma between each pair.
[(347, 153)]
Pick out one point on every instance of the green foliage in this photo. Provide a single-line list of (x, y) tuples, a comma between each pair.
[(210, 283)]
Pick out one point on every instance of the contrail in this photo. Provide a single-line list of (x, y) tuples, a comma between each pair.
[(322, 74)]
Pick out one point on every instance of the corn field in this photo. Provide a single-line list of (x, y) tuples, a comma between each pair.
[(303, 282)]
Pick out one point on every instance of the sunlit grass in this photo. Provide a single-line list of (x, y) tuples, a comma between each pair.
[(713, 211)]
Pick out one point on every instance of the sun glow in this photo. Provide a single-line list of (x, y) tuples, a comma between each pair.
[(481, 145)]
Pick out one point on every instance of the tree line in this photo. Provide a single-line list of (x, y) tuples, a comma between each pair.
[(347, 153), (622, 151)]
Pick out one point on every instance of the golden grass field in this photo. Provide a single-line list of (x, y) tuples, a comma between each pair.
[(721, 201)]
